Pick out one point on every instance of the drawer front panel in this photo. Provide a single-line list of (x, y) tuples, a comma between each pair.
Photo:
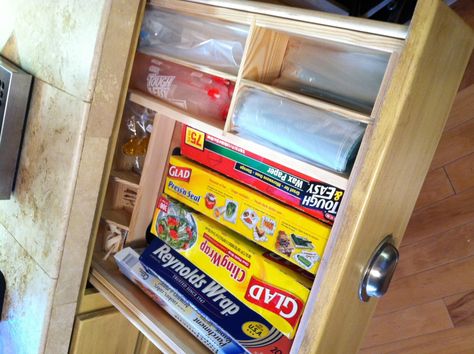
[(383, 191)]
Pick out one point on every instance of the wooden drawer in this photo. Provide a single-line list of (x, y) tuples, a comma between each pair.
[(426, 63), (102, 332), (101, 329)]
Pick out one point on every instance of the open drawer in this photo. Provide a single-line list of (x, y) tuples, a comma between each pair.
[(402, 111)]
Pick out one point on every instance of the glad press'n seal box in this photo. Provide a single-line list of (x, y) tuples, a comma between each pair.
[(271, 290), (312, 196), (291, 234)]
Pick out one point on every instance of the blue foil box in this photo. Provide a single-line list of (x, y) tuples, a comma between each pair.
[(214, 338), (212, 300)]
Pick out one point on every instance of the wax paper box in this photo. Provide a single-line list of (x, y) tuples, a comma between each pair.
[(291, 234), (270, 289), (213, 337), (312, 196)]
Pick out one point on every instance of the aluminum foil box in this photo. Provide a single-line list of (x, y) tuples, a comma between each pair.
[(213, 301), (176, 305)]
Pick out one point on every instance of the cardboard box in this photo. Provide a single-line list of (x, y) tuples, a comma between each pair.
[(268, 288), (289, 233), (213, 337), (241, 323), (314, 197)]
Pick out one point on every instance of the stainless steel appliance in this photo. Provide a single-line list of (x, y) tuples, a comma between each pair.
[(15, 85)]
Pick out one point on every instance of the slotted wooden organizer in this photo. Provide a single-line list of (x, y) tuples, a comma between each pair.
[(424, 66)]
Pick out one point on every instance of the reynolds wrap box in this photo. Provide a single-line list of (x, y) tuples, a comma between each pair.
[(213, 302), (291, 234), (268, 288), (213, 337), (307, 194)]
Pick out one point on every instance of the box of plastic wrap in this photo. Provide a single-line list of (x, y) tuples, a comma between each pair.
[(289, 233), (307, 194), (214, 302), (269, 288)]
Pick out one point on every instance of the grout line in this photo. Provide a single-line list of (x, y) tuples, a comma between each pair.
[(28, 254)]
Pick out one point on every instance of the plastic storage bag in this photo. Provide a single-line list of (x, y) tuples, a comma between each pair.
[(213, 43), (138, 124), (193, 91), (340, 73), (317, 136)]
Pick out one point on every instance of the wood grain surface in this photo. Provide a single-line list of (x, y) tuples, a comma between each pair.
[(436, 187), (461, 172), (437, 253), (461, 308), (390, 175), (418, 320)]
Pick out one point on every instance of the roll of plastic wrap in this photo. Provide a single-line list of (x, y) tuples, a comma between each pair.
[(340, 73), (213, 43), (315, 135), (191, 90)]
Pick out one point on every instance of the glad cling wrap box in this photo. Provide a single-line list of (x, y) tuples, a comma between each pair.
[(291, 234), (314, 197), (271, 290)]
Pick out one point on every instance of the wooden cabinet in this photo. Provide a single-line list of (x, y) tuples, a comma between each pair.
[(102, 329), (425, 63)]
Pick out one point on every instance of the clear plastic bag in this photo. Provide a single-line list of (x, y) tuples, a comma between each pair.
[(213, 43), (317, 136), (139, 124), (195, 92), (340, 73)]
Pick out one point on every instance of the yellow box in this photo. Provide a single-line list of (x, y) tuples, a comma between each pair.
[(275, 292), (289, 233)]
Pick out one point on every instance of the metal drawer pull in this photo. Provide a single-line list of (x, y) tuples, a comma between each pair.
[(379, 272)]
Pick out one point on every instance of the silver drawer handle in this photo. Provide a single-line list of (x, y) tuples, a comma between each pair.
[(379, 271)]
